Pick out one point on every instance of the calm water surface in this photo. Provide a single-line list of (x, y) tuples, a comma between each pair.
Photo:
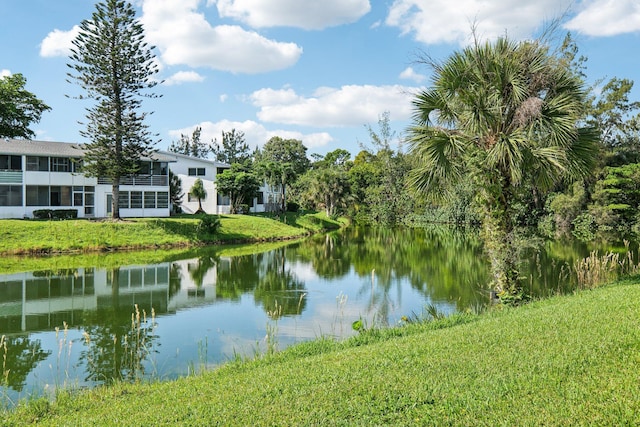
[(80, 327)]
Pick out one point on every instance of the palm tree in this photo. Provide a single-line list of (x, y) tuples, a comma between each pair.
[(500, 114), (198, 191)]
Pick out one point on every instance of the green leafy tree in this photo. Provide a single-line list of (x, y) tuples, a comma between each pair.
[(616, 198), (191, 146), (113, 64), (198, 191), (281, 162), (617, 118), (378, 178), (240, 183), (326, 185), (233, 148), (175, 192), (503, 113), (19, 108)]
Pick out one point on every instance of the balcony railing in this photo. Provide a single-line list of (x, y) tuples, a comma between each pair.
[(148, 180), (10, 177)]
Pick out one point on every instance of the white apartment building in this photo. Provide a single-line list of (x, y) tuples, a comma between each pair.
[(46, 175), (189, 169), (38, 175)]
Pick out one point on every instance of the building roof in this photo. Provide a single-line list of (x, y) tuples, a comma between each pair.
[(59, 149), (176, 156)]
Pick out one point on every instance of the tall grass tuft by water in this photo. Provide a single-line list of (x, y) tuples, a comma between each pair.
[(596, 270)]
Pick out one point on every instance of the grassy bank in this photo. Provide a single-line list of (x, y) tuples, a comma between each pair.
[(569, 360), (20, 237)]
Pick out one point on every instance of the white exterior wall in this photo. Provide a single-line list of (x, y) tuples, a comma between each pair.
[(210, 205), (15, 176), (67, 179), (181, 168)]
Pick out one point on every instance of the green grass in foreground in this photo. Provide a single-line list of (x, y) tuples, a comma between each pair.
[(570, 360), (28, 237)]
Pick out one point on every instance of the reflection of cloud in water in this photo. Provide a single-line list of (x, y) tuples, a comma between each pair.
[(302, 270), (324, 319), (231, 345)]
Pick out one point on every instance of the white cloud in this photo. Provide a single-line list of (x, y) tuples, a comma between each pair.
[(185, 37), (224, 97), (309, 15), (351, 105), (5, 73), (183, 77), (446, 21), (255, 134), (607, 18), (58, 42), (410, 74)]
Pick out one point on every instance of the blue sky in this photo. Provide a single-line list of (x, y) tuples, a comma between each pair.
[(314, 70)]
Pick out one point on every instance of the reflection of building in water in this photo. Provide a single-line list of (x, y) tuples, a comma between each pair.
[(43, 300)]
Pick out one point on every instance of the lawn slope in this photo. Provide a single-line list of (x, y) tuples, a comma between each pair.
[(22, 237), (570, 360)]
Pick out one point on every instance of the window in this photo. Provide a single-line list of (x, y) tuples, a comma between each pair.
[(60, 164), (60, 196), (160, 168), (37, 163), (37, 195), (10, 163), (163, 200), (89, 200), (123, 200), (76, 165), (221, 170), (10, 195), (197, 171), (223, 200), (136, 200), (144, 168), (260, 198), (149, 199), (77, 196)]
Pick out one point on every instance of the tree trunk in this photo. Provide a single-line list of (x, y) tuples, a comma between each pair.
[(115, 199), (284, 204), (500, 245)]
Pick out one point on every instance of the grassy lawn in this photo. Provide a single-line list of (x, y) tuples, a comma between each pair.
[(32, 236), (571, 360)]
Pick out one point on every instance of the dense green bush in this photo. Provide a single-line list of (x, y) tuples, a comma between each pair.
[(55, 214), (209, 224)]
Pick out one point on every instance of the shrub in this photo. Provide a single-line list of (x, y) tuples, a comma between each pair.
[(55, 214), (584, 227), (292, 207), (209, 224)]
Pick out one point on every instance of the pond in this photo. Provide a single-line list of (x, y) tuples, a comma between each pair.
[(80, 327)]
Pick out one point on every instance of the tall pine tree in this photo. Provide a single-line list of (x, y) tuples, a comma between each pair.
[(114, 65)]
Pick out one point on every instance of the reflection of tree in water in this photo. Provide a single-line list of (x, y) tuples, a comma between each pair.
[(328, 254), (175, 279), (118, 340), (441, 263), (266, 275), (20, 355), (278, 284), (205, 262), (237, 276)]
